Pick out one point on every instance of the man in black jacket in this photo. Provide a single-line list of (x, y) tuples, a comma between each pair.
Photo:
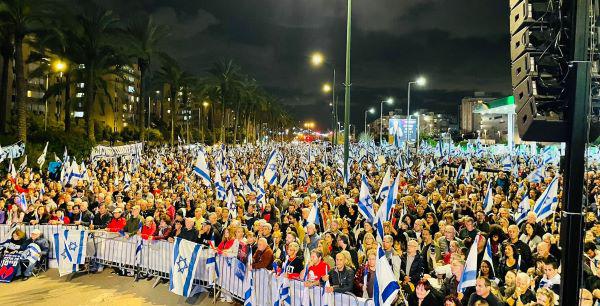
[(341, 278), (189, 232), (101, 219), (413, 264)]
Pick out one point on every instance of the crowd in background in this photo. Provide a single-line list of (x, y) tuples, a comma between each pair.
[(437, 216)]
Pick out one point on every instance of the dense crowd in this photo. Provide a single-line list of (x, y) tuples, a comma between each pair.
[(437, 215)]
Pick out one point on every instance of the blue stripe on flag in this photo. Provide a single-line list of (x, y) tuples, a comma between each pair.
[(189, 279)]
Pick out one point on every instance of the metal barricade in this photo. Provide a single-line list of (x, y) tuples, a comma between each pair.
[(154, 258)]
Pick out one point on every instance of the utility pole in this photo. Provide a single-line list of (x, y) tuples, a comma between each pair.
[(347, 85)]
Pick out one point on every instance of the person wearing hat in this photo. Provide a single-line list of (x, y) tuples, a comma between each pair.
[(37, 238), (117, 223)]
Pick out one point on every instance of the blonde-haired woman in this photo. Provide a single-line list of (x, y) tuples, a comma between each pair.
[(368, 243)]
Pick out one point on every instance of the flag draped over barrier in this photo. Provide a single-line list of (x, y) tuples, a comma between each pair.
[(70, 250)]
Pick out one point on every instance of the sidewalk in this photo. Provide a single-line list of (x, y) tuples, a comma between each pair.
[(94, 289)]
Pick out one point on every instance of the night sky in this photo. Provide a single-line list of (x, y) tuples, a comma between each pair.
[(461, 46)]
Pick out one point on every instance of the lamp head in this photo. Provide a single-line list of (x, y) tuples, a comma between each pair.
[(317, 59), (421, 81), (326, 88), (371, 110), (389, 101)]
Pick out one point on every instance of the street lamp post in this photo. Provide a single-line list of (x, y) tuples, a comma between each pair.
[(388, 101), (370, 110), (421, 81), (317, 60), (59, 67), (347, 84)]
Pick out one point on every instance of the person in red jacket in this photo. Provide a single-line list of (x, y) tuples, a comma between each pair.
[(149, 228), (318, 268), (117, 223), (163, 232)]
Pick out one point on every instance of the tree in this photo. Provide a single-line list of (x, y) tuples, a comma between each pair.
[(23, 18), (171, 73), (92, 45), (6, 51), (142, 39), (225, 77)]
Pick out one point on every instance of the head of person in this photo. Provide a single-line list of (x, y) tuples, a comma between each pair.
[(522, 281), (76, 209), (388, 242), (292, 249), (340, 261), (135, 211), (412, 247), (343, 241), (513, 232), (315, 257), (422, 289), (550, 268), (449, 232), (35, 234), (117, 213), (456, 266), (189, 223), (510, 278), (469, 223), (149, 221), (18, 234), (262, 244), (483, 286), (311, 229), (586, 298), (372, 259), (544, 296), (590, 249), (485, 269), (452, 300)]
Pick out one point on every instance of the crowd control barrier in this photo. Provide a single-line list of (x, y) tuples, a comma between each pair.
[(153, 258)]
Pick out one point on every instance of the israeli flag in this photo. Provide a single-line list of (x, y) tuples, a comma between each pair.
[(270, 170), (313, 215), (385, 287), (487, 254), (383, 214), (347, 174), (221, 193), (248, 283), (385, 185), (74, 173), (469, 275), (303, 176), (260, 196), (547, 202), (537, 176), (523, 210), (22, 201), (326, 298), (212, 265), (201, 169), (459, 174), (126, 181), (183, 266), (285, 179), (42, 159), (283, 297), (70, 250), (469, 171), (32, 253), (488, 202), (506, 163), (365, 202)]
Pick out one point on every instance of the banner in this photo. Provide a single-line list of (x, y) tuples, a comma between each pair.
[(13, 151), (8, 268), (101, 152)]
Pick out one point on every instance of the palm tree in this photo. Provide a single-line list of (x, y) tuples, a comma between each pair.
[(6, 51), (171, 73), (143, 37), (226, 79), (23, 17), (91, 46)]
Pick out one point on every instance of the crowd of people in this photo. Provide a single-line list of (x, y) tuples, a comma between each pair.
[(437, 216)]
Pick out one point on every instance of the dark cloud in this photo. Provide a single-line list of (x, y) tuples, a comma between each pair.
[(460, 45)]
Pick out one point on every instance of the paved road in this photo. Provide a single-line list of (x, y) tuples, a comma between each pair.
[(94, 289)]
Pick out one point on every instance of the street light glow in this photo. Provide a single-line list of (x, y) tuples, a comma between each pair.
[(60, 66), (372, 110), (421, 81), (317, 59), (205, 104), (389, 100), (326, 88)]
